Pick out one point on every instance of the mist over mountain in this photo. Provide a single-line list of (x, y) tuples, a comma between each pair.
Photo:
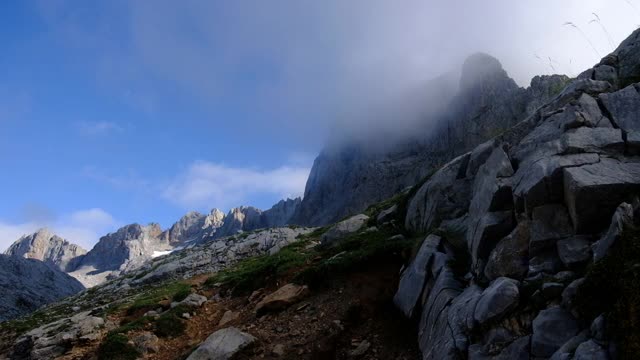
[(335, 180)]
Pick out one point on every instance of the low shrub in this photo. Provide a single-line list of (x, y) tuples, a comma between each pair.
[(117, 347)]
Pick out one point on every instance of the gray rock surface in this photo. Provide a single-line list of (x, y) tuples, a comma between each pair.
[(28, 284), (497, 300), (590, 350), (551, 329), (344, 228), (222, 345), (593, 192), (347, 178), (510, 257), (48, 248), (414, 278), (623, 217), (574, 250)]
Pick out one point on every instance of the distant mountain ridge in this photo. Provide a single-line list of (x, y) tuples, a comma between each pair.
[(132, 245)]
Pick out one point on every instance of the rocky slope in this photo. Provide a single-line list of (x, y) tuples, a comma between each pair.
[(27, 284), (345, 179), (527, 246), (519, 223), (48, 248)]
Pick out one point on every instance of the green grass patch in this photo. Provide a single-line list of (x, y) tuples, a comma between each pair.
[(170, 325), (612, 287), (353, 253), (137, 324), (117, 347), (150, 300), (252, 273)]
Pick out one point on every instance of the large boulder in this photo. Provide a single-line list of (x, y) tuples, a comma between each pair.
[(222, 345), (497, 300), (282, 298), (622, 218), (590, 350), (415, 277), (539, 179), (510, 257), (592, 192), (444, 196), (344, 228), (623, 106), (551, 329), (434, 336), (574, 250), (548, 224)]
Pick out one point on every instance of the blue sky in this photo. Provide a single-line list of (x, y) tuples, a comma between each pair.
[(113, 112)]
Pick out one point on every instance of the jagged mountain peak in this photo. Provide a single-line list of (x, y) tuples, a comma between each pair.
[(480, 69), (47, 247)]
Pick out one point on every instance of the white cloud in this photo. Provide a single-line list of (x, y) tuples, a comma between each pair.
[(207, 184), (94, 128), (83, 227)]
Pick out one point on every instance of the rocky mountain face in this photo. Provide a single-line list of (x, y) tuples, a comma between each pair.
[(346, 179), (520, 220), (133, 245), (118, 252), (27, 284), (48, 248)]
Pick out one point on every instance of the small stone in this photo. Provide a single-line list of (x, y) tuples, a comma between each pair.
[(186, 316), (282, 298), (361, 349), (278, 350), (228, 317), (195, 300)]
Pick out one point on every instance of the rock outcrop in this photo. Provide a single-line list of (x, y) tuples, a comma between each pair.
[(28, 284), (540, 202), (48, 248), (346, 179), (126, 249)]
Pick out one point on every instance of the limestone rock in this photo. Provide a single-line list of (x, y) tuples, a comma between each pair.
[(621, 218), (344, 228), (497, 300), (227, 317), (551, 329), (281, 298), (623, 105), (510, 257), (27, 284), (549, 223), (222, 345), (590, 350), (443, 196), (194, 300), (415, 276), (574, 250), (48, 248), (592, 192)]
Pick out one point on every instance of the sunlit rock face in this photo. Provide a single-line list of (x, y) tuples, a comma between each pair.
[(49, 248)]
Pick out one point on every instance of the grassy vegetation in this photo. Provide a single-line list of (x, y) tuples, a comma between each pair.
[(252, 273), (355, 252), (137, 324), (117, 347), (612, 287), (36, 319), (170, 325), (150, 300)]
